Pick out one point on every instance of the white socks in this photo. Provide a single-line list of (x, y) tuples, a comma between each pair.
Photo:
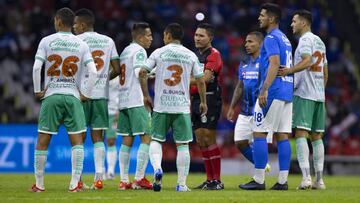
[(259, 176), (182, 163), (77, 161), (142, 161), (99, 159), (39, 167), (124, 161), (155, 152), (318, 156), (111, 156), (302, 153)]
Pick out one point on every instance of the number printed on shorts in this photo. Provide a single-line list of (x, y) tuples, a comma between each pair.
[(99, 62), (68, 68), (316, 67), (175, 77), (258, 117), (122, 74)]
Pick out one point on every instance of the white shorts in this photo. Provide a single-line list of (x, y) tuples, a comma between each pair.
[(244, 129), (277, 119)]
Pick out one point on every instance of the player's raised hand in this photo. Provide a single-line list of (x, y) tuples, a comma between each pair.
[(230, 114), (148, 103), (263, 98), (203, 108)]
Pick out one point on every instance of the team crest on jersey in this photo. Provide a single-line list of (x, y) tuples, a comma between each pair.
[(257, 65), (140, 56)]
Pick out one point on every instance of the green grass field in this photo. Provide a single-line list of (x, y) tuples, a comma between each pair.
[(13, 188)]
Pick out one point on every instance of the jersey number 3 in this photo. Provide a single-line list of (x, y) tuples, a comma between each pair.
[(68, 68), (175, 77)]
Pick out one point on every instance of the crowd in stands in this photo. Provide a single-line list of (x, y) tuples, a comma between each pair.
[(24, 22)]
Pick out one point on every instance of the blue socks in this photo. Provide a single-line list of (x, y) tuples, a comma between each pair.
[(248, 153), (260, 152), (284, 154)]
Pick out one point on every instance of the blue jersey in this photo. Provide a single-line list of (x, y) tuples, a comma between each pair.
[(276, 43), (248, 74)]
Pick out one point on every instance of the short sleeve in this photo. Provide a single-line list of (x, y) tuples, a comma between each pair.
[(151, 61), (325, 59), (304, 46), (41, 51), (139, 58), (271, 46), (198, 68), (114, 53), (214, 62), (87, 58)]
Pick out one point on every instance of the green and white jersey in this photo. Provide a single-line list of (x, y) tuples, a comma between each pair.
[(65, 57), (113, 101), (309, 83), (103, 50), (174, 66), (133, 57)]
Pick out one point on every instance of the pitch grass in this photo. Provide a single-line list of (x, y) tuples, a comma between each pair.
[(13, 188)]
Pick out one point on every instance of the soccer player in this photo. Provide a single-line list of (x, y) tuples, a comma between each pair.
[(65, 57), (113, 104), (247, 90), (134, 119), (103, 51), (174, 66), (311, 74), (205, 126), (273, 108)]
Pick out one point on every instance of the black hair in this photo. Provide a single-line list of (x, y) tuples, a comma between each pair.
[(176, 31), (87, 16), (66, 16), (272, 10), (139, 28), (210, 29), (304, 14)]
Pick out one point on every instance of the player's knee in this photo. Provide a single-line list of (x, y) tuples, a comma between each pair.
[(301, 133), (111, 142), (315, 136)]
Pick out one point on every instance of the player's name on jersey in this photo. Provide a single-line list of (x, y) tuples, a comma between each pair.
[(63, 45), (250, 75), (96, 42), (177, 92), (173, 100), (56, 79), (174, 56), (61, 85)]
